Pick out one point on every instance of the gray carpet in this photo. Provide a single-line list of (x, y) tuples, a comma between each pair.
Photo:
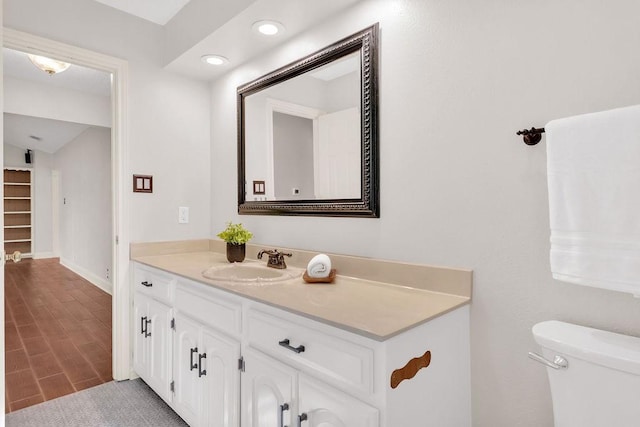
[(117, 404)]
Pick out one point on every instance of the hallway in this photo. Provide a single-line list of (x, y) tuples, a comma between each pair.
[(57, 333)]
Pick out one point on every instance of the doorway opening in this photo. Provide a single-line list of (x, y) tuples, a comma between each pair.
[(117, 237)]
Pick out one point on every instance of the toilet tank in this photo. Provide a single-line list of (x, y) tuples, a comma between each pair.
[(601, 386)]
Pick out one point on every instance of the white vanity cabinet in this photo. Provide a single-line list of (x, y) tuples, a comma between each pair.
[(206, 371), (276, 395), (236, 361), (152, 355)]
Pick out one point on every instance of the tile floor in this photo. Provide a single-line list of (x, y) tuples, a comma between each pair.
[(57, 333)]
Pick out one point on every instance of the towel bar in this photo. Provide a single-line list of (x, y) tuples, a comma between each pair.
[(531, 136)]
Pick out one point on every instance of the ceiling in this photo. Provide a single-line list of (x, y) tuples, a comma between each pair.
[(296, 16), (158, 11), (54, 134)]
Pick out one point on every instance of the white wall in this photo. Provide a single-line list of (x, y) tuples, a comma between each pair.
[(458, 79), (168, 116), (50, 102), (84, 165), (14, 156)]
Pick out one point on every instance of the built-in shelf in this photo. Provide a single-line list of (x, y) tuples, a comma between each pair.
[(17, 209)]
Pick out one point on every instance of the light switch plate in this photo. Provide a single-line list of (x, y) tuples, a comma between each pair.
[(183, 215)]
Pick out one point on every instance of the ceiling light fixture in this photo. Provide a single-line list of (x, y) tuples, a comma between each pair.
[(268, 28), (48, 65), (214, 60)]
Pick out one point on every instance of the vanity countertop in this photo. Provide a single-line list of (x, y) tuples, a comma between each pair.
[(369, 308)]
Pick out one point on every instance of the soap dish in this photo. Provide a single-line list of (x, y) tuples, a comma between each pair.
[(328, 279)]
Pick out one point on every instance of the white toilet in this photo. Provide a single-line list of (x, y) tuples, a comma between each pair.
[(599, 386)]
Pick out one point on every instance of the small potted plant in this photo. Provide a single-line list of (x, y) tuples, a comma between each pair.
[(236, 237)]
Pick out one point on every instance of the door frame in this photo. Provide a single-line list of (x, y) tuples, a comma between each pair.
[(118, 68)]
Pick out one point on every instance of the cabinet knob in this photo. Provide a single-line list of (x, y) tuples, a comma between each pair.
[(302, 417), (147, 284)]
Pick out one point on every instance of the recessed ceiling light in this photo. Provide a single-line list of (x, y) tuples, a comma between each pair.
[(268, 28), (214, 60)]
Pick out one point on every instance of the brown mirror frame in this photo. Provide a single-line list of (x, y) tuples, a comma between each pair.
[(368, 205)]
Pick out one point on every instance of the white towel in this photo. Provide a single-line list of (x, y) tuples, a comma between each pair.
[(593, 166), (319, 266)]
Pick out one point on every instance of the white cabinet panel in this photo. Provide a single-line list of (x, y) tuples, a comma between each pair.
[(187, 396), (160, 357), (218, 370), (268, 392), (323, 406)]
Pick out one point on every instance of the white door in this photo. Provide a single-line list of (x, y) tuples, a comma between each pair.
[(186, 399), (338, 160), (268, 392), (218, 370), (324, 406), (160, 346), (140, 343)]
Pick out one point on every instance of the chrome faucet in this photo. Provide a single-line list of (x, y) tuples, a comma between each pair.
[(276, 258)]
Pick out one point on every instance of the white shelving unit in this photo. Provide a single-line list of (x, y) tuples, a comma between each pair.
[(18, 205)]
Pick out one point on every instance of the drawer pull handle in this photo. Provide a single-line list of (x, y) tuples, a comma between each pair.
[(286, 344), (192, 365), (147, 284), (146, 327), (301, 418), (201, 372), (143, 323), (283, 407)]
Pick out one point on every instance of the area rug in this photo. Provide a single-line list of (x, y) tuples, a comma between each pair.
[(122, 404)]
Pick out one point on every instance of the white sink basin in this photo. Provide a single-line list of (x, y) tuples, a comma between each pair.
[(250, 273)]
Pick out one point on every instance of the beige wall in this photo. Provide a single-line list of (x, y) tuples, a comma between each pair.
[(458, 79)]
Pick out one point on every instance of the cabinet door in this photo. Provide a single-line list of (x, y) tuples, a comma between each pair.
[(324, 406), (219, 373), (186, 399), (160, 350), (140, 341), (268, 392)]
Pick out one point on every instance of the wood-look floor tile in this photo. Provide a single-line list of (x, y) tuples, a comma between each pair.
[(28, 331), (55, 386), (29, 401), (35, 346), (63, 348), (78, 311), (16, 360), (60, 324), (78, 369), (104, 369), (94, 351), (92, 382), (44, 365), (11, 337), (21, 385)]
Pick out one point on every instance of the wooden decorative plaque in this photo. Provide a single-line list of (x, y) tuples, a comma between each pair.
[(410, 370)]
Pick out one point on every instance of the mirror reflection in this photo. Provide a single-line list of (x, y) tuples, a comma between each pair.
[(303, 136)]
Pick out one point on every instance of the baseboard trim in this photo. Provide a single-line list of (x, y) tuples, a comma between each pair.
[(86, 274), (44, 255)]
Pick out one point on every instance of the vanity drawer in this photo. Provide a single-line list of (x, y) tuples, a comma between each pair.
[(200, 303), (154, 283), (324, 355)]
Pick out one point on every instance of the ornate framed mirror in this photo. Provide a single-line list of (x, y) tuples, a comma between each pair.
[(308, 134)]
